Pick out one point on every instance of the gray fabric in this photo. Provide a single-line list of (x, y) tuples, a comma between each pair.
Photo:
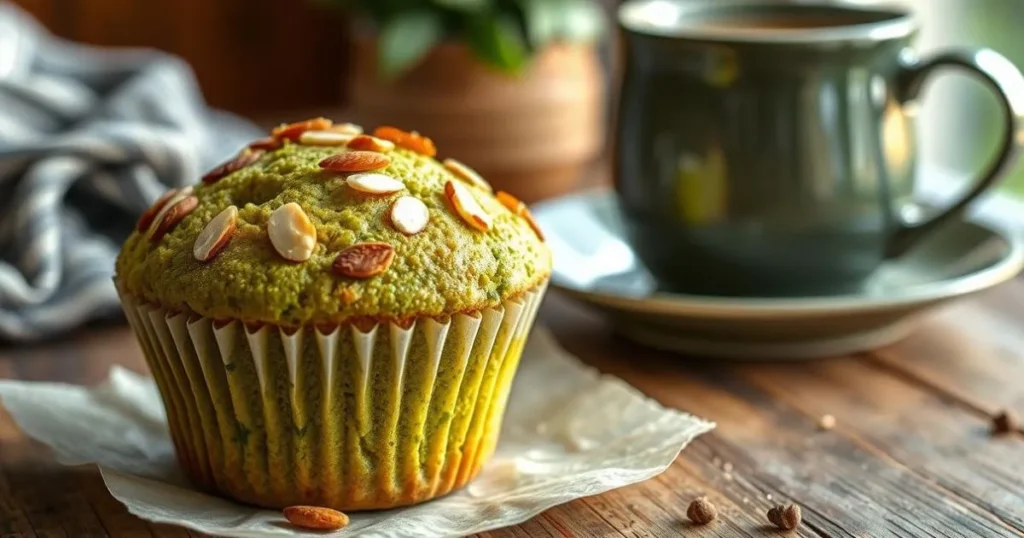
[(88, 139)]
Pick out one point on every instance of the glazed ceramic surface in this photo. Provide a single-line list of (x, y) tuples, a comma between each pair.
[(595, 264), (766, 148)]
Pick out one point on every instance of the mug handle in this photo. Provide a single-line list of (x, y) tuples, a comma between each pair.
[(1000, 75)]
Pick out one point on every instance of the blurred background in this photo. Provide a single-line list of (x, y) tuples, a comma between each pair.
[(270, 59), (539, 133)]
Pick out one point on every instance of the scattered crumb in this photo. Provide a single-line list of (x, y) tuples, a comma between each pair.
[(728, 477), (768, 496), (727, 467), (827, 422), (746, 500), (1005, 421), (786, 517), (701, 511)]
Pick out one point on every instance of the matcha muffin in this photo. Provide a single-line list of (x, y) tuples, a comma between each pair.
[(334, 318)]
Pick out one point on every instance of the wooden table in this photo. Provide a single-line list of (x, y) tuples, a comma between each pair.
[(911, 453)]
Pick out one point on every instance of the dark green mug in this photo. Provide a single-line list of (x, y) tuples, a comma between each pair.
[(767, 148)]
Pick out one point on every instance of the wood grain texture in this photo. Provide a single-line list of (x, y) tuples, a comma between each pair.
[(248, 55), (910, 454)]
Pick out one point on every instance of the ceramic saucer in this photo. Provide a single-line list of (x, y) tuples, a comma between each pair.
[(595, 265)]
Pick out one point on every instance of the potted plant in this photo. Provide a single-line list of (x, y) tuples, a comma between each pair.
[(513, 88)]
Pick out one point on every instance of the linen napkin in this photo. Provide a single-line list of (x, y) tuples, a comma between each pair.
[(89, 138), (569, 432)]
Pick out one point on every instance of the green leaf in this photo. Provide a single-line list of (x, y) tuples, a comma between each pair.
[(405, 39), (498, 42)]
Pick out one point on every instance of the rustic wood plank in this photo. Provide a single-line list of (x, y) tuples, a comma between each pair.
[(739, 511), (161, 530), (32, 491), (940, 441), (112, 514), (538, 527), (248, 56), (575, 519), (77, 516), (969, 351), (14, 521), (845, 489), (42, 493), (872, 475)]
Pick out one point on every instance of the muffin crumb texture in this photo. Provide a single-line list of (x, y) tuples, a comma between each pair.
[(442, 243)]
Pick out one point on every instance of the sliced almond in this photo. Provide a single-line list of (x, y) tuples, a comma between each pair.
[(243, 159), (466, 173), (355, 161), (466, 206), (149, 215), (325, 138), (216, 235), (371, 143), (291, 232), (364, 260), (292, 131), (374, 183), (176, 196), (511, 202), (409, 215), (533, 223), (266, 144), (315, 517), (346, 128), (410, 140), (519, 209), (178, 208)]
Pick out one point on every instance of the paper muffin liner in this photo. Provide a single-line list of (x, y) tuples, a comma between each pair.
[(348, 419)]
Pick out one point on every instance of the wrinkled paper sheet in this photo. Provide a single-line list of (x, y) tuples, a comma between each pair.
[(569, 432)]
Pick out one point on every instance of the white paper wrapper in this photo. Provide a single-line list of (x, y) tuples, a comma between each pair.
[(568, 433)]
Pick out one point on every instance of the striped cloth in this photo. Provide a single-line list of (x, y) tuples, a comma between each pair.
[(88, 139)]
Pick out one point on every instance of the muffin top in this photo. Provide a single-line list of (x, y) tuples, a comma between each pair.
[(322, 224)]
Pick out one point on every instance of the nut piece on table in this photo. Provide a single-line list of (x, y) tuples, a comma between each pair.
[(701, 511), (786, 517), (1005, 421)]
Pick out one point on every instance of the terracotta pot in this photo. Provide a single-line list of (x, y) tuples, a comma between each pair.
[(532, 135)]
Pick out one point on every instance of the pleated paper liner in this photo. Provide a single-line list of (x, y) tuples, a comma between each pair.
[(348, 419)]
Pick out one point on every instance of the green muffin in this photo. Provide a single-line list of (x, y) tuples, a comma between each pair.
[(334, 318)]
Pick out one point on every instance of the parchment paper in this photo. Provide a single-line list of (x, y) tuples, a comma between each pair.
[(569, 433)]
